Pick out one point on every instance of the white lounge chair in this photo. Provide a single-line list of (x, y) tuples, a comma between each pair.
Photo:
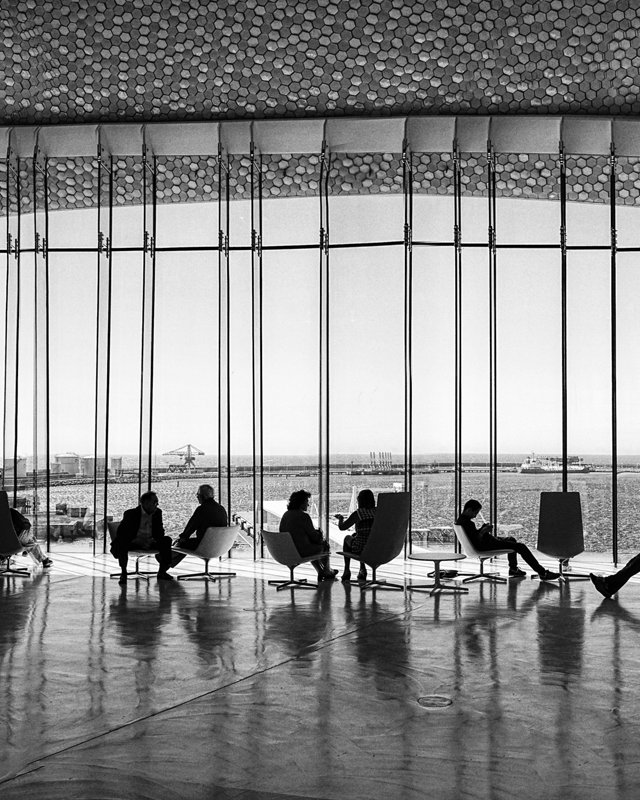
[(214, 544), (482, 555)]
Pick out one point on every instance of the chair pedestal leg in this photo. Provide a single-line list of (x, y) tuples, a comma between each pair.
[(495, 577), (137, 572), (577, 576), (374, 583), (206, 575), (292, 583), (7, 571)]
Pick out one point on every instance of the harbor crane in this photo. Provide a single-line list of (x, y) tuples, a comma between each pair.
[(188, 452)]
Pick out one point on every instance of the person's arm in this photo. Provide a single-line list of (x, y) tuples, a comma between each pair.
[(157, 525), (191, 526), (20, 523), (313, 534), (344, 524), (128, 528)]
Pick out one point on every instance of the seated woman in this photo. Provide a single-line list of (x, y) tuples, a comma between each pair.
[(482, 539), (307, 539), (362, 518), (27, 539)]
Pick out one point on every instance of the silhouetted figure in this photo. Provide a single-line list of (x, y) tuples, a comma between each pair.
[(307, 539), (209, 514), (142, 529), (482, 539), (362, 518), (27, 539), (613, 583)]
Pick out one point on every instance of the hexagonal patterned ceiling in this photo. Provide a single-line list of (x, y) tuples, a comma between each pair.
[(168, 60), (182, 59)]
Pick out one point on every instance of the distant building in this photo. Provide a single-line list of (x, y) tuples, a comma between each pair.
[(69, 463), (19, 469), (90, 466)]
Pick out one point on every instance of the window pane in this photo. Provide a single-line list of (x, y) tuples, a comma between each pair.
[(366, 366)]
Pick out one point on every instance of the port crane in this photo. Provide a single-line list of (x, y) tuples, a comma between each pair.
[(188, 452)]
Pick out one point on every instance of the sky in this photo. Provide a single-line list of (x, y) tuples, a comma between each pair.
[(366, 345)]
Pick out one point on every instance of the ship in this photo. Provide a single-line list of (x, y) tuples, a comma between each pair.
[(542, 465)]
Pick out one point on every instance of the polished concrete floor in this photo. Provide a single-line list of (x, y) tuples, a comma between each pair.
[(234, 690)]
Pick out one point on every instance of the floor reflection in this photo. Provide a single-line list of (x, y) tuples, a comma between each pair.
[(232, 689)]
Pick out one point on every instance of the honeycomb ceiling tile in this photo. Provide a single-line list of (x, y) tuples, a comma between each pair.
[(153, 60)]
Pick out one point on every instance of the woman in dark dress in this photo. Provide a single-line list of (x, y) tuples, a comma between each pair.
[(362, 518), (307, 539)]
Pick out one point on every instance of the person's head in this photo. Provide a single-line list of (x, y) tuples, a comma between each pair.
[(205, 492), (299, 500), (366, 499), (149, 502), (471, 508)]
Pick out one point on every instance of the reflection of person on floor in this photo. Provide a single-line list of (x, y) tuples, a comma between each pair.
[(27, 539), (209, 514), (307, 539), (613, 583), (482, 539), (142, 529), (362, 518)]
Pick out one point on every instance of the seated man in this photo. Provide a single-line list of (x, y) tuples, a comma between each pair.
[(482, 539), (142, 529), (22, 527), (209, 514)]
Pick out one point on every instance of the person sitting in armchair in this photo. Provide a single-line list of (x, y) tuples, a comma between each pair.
[(142, 529)]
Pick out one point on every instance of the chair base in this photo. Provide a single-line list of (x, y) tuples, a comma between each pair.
[(577, 576), (493, 577), (22, 572), (292, 584), (379, 583), (203, 576), (137, 572), (374, 583)]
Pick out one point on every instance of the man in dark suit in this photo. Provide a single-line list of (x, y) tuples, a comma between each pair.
[(209, 514), (142, 529)]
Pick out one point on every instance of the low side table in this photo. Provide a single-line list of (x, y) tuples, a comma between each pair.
[(437, 585)]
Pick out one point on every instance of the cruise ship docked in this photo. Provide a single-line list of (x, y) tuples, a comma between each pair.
[(538, 465)]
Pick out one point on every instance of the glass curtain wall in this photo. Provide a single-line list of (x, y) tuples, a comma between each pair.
[(429, 321)]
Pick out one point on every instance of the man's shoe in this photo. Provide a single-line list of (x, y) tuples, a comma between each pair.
[(517, 573), (47, 563), (164, 576), (601, 585), (547, 575)]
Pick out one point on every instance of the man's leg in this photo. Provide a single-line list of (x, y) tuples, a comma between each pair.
[(28, 541), (164, 557), (176, 558), (616, 581), (522, 550), (123, 559)]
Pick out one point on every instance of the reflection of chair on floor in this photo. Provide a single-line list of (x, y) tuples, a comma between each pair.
[(137, 554), (482, 555), (386, 538), (214, 544), (9, 543), (283, 550), (560, 533)]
